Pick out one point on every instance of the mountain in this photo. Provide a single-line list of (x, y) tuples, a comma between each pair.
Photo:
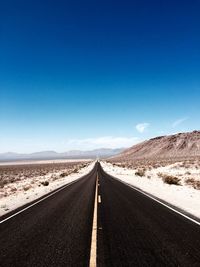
[(73, 154), (177, 145)]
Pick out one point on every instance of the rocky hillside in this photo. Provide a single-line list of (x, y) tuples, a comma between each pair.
[(178, 145)]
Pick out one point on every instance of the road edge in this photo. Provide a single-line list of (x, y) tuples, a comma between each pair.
[(175, 209)]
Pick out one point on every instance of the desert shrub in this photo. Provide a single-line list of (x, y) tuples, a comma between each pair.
[(197, 185), (54, 177), (2, 183), (45, 183), (63, 174), (26, 187), (84, 165), (140, 172), (194, 183), (123, 165), (169, 179), (13, 189), (190, 181)]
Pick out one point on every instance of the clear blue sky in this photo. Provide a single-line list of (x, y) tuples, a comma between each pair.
[(87, 74)]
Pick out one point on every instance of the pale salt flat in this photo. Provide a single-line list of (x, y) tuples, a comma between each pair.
[(184, 196), (35, 190)]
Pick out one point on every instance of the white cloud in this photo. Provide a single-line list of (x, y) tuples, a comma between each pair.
[(179, 121), (102, 142), (141, 127)]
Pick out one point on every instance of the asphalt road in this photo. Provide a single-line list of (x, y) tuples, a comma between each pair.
[(55, 232), (135, 230)]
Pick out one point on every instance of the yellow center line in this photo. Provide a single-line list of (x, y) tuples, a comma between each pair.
[(93, 250)]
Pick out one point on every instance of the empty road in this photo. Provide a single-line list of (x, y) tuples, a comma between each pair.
[(135, 230), (132, 230), (55, 232)]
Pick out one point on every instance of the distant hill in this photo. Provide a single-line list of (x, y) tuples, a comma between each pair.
[(177, 145), (74, 154)]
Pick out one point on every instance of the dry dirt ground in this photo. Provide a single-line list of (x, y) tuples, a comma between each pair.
[(180, 171), (20, 184)]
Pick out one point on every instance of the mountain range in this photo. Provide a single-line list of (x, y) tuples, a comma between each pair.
[(168, 146), (73, 154)]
